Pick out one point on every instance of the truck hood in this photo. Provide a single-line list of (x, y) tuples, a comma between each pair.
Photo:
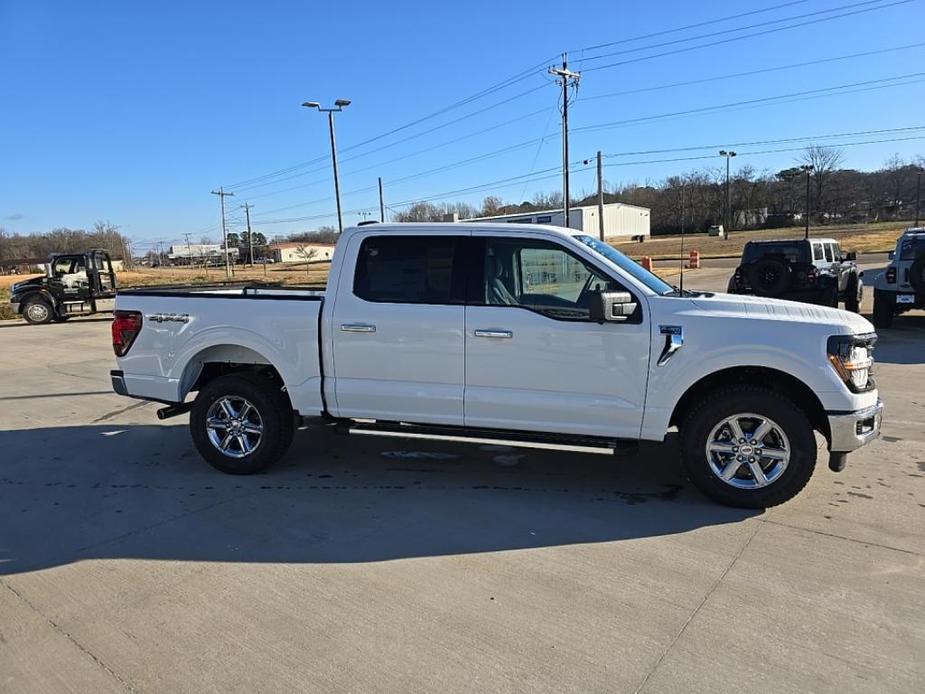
[(760, 308), (17, 287)]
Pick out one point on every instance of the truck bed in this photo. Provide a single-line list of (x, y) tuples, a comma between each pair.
[(186, 327)]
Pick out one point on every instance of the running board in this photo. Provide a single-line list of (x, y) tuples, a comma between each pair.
[(516, 439)]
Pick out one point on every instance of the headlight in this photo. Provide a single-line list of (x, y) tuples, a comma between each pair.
[(851, 357)]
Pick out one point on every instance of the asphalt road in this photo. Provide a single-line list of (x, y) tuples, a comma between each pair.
[(127, 564)]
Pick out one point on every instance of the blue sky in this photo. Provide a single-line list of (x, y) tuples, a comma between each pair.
[(133, 112)]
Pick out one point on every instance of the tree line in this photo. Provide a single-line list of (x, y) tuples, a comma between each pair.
[(758, 200), (105, 235)]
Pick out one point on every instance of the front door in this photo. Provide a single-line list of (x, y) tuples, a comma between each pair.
[(534, 359), (397, 330)]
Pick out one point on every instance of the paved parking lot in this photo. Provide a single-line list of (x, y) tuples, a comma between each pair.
[(127, 564)]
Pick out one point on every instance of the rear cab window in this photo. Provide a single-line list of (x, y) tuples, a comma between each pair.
[(792, 252), (410, 270)]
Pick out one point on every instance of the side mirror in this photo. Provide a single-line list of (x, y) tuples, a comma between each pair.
[(612, 306), (851, 255), (891, 255)]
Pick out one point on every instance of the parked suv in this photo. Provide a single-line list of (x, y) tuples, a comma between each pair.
[(73, 284), (901, 286), (811, 270)]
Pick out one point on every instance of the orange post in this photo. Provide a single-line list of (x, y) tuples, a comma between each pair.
[(647, 263), (694, 262)]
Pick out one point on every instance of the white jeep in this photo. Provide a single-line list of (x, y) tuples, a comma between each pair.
[(901, 286)]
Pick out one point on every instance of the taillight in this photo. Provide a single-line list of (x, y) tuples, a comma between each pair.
[(125, 328), (891, 275), (812, 275)]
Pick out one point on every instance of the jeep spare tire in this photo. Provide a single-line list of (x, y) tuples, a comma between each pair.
[(917, 276), (770, 277)]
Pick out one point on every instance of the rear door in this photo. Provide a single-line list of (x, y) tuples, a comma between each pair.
[(398, 329), (534, 359)]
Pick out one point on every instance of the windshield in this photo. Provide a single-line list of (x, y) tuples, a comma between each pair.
[(628, 265)]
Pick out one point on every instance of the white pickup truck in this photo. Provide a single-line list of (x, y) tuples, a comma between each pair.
[(529, 334)]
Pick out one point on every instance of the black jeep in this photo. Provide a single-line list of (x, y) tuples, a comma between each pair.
[(74, 284), (811, 270)]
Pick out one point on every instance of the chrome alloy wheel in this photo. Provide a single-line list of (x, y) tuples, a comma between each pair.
[(37, 311), (748, 451), (234, 426)]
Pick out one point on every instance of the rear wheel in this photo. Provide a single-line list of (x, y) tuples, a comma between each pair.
[(241, 423), (38, 311), (748, 446), (917, 276), (854, 295), (884, 308)]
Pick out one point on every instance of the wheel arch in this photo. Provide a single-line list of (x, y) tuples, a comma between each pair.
[(222, 359), (38, 293), (773, 379)]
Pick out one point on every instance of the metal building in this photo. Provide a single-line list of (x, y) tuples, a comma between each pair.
[(620, 221)]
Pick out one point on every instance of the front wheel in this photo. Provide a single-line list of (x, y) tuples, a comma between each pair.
[(38, 311), (884, 309), (748, 446), (241, 423)]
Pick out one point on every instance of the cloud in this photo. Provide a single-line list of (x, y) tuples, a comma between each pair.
[(15, 217)]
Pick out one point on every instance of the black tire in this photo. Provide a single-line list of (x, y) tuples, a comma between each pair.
[(854, 294), (884, 309), (37, 311), (713, 410), (731, 287), (917, 276), (273, 412), (829, 295), (770, 277)]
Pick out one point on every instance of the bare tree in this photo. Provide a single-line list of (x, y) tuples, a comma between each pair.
[(307, 253), (825, 161)]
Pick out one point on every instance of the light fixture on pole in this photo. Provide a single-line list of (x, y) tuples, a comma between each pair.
[(339, 105), (807, 169), (729, 155)]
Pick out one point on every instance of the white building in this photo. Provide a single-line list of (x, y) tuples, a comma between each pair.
[(620, 221), (298, 252), (186, 253)]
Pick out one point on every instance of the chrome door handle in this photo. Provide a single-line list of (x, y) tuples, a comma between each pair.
[(497, 334), (357, 328)]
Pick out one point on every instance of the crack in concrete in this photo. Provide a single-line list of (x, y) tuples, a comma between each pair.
[(57, 627), (123, 410), (677, 637), (866, 543)]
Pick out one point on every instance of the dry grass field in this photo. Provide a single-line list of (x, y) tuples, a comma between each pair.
[(867, 238)]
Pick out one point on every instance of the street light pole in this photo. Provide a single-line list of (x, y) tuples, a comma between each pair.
[(339, 105), (918, 198), (807, 169), (729, 155)]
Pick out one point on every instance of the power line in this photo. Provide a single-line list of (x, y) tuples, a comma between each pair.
[(733, 30), (693, 26), (750, 102), (713, 44), (749, 73)]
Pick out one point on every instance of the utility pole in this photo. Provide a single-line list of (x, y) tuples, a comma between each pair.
[(221, 195), (600, 194), (250, 237), (918, 198), (189, 251), (728, 228), (567, 79), (807, 169), (381, 202)]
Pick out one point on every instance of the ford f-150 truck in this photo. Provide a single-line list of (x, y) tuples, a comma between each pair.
[(530, 334)]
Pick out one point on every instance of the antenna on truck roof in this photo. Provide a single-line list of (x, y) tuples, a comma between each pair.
[(681, 279)]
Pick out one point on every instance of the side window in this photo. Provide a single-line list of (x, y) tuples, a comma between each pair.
[(817, 251), (406, 269), (828, 252), (541, 276), (836, 252)]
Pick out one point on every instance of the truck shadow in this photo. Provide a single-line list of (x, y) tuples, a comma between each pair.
[(903, 342), (141, 492)]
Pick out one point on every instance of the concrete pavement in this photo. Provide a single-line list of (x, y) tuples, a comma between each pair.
[(127, 564)]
